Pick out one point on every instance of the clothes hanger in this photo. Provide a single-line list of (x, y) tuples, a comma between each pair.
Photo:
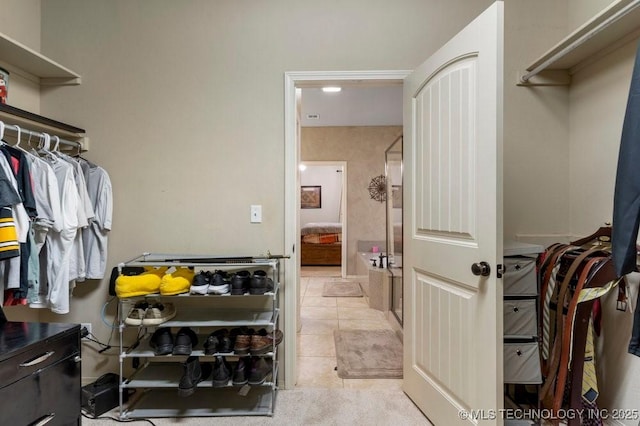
[(17, 145), (19, 139), (602, 235), (56, 147), (78, 157), (45, 146)]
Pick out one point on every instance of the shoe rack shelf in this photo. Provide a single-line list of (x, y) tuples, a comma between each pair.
[(155, 378), (147, 377), (221, 402), (144, 350)]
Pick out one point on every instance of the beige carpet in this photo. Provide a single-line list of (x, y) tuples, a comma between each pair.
[(341, 289), (330, 407), (368, 354)]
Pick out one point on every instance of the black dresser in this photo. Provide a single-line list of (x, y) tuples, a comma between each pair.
[(40, 373)]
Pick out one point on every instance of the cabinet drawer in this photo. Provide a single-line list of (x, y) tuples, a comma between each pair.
[(520, 317), (520, 278), (38, 356), (522, 363), (51, 393)]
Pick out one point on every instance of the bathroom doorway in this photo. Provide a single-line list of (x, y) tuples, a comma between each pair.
[(294, 82)]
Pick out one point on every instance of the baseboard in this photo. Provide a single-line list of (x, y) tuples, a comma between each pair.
[(356, 277), (545, 239)]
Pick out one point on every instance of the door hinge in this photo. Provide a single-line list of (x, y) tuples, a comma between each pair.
[(500, 270)]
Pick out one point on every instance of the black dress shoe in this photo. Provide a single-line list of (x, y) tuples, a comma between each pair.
[(218, 341), (186, 339), (211, 344), (224, 341), (162, 341)]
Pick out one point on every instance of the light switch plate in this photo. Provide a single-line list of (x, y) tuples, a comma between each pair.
[(256, 214)]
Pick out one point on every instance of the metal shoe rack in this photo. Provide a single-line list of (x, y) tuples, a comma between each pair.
[(153, 381)]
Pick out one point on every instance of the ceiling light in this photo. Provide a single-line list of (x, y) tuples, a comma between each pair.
[(302, 167), (331, 89)]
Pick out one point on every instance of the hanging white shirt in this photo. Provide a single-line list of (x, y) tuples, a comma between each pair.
[(77, 263), (46, 194), (95, 237), (59, 244)]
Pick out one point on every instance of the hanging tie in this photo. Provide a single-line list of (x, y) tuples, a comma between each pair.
[(589, 379)]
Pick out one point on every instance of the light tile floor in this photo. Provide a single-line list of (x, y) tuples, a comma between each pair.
[(320, 316)]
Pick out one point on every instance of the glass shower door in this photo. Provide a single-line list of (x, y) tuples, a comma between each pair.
[(393, 174)]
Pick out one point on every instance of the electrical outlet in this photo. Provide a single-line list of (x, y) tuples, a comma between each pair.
[(86, 325)]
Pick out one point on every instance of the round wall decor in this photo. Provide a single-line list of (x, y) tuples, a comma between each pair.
[(378, 188)]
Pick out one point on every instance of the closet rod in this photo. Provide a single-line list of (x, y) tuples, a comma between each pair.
[(582, 39), (28, 132)]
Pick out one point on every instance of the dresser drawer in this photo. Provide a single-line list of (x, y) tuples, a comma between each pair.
[(36, 354), (522, 363), (52, 394), (519, 277), (520, 317)]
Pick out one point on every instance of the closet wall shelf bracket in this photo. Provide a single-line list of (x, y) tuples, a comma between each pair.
[(547, 78), (617, 24), (28, 60), (60, 81)]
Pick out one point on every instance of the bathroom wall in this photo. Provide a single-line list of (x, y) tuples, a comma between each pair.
[(363, 150)]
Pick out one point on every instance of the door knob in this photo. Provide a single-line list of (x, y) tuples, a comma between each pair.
[(481, 269)]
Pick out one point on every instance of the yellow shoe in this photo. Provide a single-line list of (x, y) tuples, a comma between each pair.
[(177, 282), (147, 282)]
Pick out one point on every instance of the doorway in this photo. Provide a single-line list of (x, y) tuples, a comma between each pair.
[(293, 82)]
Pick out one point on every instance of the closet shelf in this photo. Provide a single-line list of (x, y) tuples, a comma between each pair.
[(38, 123), (616, 25), (47, 71)]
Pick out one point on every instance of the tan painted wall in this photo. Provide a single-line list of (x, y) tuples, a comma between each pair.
[(20, 20), (535, 154), (363, 150)]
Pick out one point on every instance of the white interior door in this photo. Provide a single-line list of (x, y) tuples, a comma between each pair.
[(453, 219)]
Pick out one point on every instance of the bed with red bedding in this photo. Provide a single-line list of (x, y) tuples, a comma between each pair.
[(321, 244)]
